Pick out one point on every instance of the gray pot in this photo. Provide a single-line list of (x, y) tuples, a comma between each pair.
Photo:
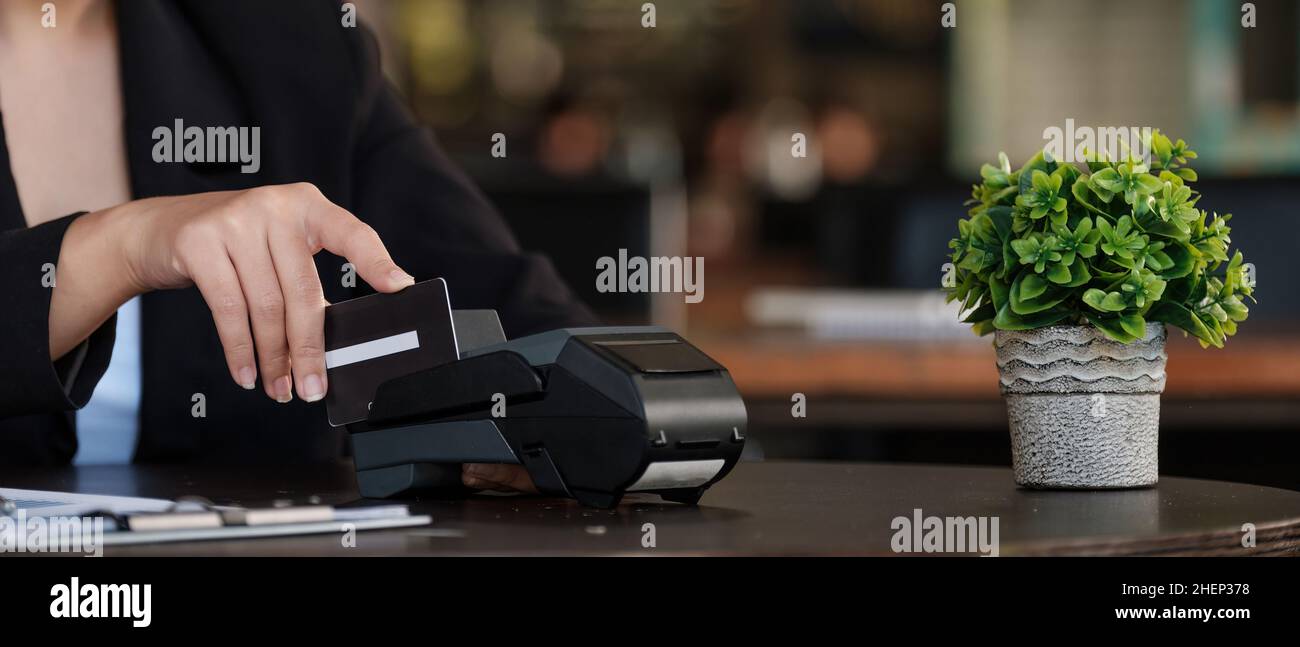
[(1084, 410)]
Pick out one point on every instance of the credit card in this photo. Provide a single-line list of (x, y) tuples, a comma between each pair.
[(375, 338)]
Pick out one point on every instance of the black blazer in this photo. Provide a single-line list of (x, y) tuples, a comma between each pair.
[(326, 117)]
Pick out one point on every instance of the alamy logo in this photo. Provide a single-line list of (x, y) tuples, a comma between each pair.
[(77, 600), (214, 144), (656, 274), (22, 534), (919, 534), (1081, 144)]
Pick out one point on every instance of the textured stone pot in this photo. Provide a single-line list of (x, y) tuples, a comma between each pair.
[(1084, 410)]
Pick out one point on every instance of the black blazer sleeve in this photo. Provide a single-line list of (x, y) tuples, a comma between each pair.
[(30, 381), (436, 223)]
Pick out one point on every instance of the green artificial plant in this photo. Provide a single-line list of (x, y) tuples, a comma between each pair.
[(1114, 244)]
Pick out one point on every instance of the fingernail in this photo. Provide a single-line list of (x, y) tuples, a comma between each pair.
[(248, 378), (474, 469), (283, 389), (402, 277), (312, 388)]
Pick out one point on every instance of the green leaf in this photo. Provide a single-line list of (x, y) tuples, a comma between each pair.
[(1216, 330), (1104, 301), (982, 313), (1000, 216), (1152, 224), (1083, 195), (1175, 314), (1059, 218), (1133, 325), (1199, 290), (1024, 247), (1103, 226), (1009, 259), (1111, 327), (1108, 180), (1008, 320), (1094, 297), (1235, 309), (1178, 290), (1158, 261), (1022, 305), (1079, 274), (1031, 286), (1162, 147), (998, 291), (1183, 260), (1027, 171), (1059, 274), (1040, 181), (1148, 184)]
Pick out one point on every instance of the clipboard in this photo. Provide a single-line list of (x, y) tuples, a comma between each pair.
[(134, 520)]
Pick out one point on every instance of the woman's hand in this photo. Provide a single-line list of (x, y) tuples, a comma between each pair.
[(499, 477), (249, 253)]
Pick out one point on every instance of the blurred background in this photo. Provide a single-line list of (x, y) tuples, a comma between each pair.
[(822, 272)]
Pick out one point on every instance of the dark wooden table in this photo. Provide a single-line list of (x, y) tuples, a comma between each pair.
[(771, 508)]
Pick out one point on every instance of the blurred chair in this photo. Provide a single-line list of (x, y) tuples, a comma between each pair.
[(1265, 227), (928, 220), (575, 222)]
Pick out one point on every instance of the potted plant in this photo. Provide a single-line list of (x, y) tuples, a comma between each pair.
[(1076, 270)]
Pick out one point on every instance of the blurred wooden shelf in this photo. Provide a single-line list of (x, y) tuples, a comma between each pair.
[(771, 365)]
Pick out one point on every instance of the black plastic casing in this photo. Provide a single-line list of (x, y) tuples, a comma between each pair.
[(586, 411)]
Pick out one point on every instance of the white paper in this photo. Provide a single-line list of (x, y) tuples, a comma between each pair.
[(44, 503), (671, 475), (280, 530)]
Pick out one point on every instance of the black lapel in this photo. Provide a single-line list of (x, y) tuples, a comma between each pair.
[(168, 74), (11, 208)]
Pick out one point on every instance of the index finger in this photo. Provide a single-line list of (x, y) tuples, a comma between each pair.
[(340, 232)]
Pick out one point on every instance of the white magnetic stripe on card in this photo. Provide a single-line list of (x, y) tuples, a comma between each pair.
[(372, 349)]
